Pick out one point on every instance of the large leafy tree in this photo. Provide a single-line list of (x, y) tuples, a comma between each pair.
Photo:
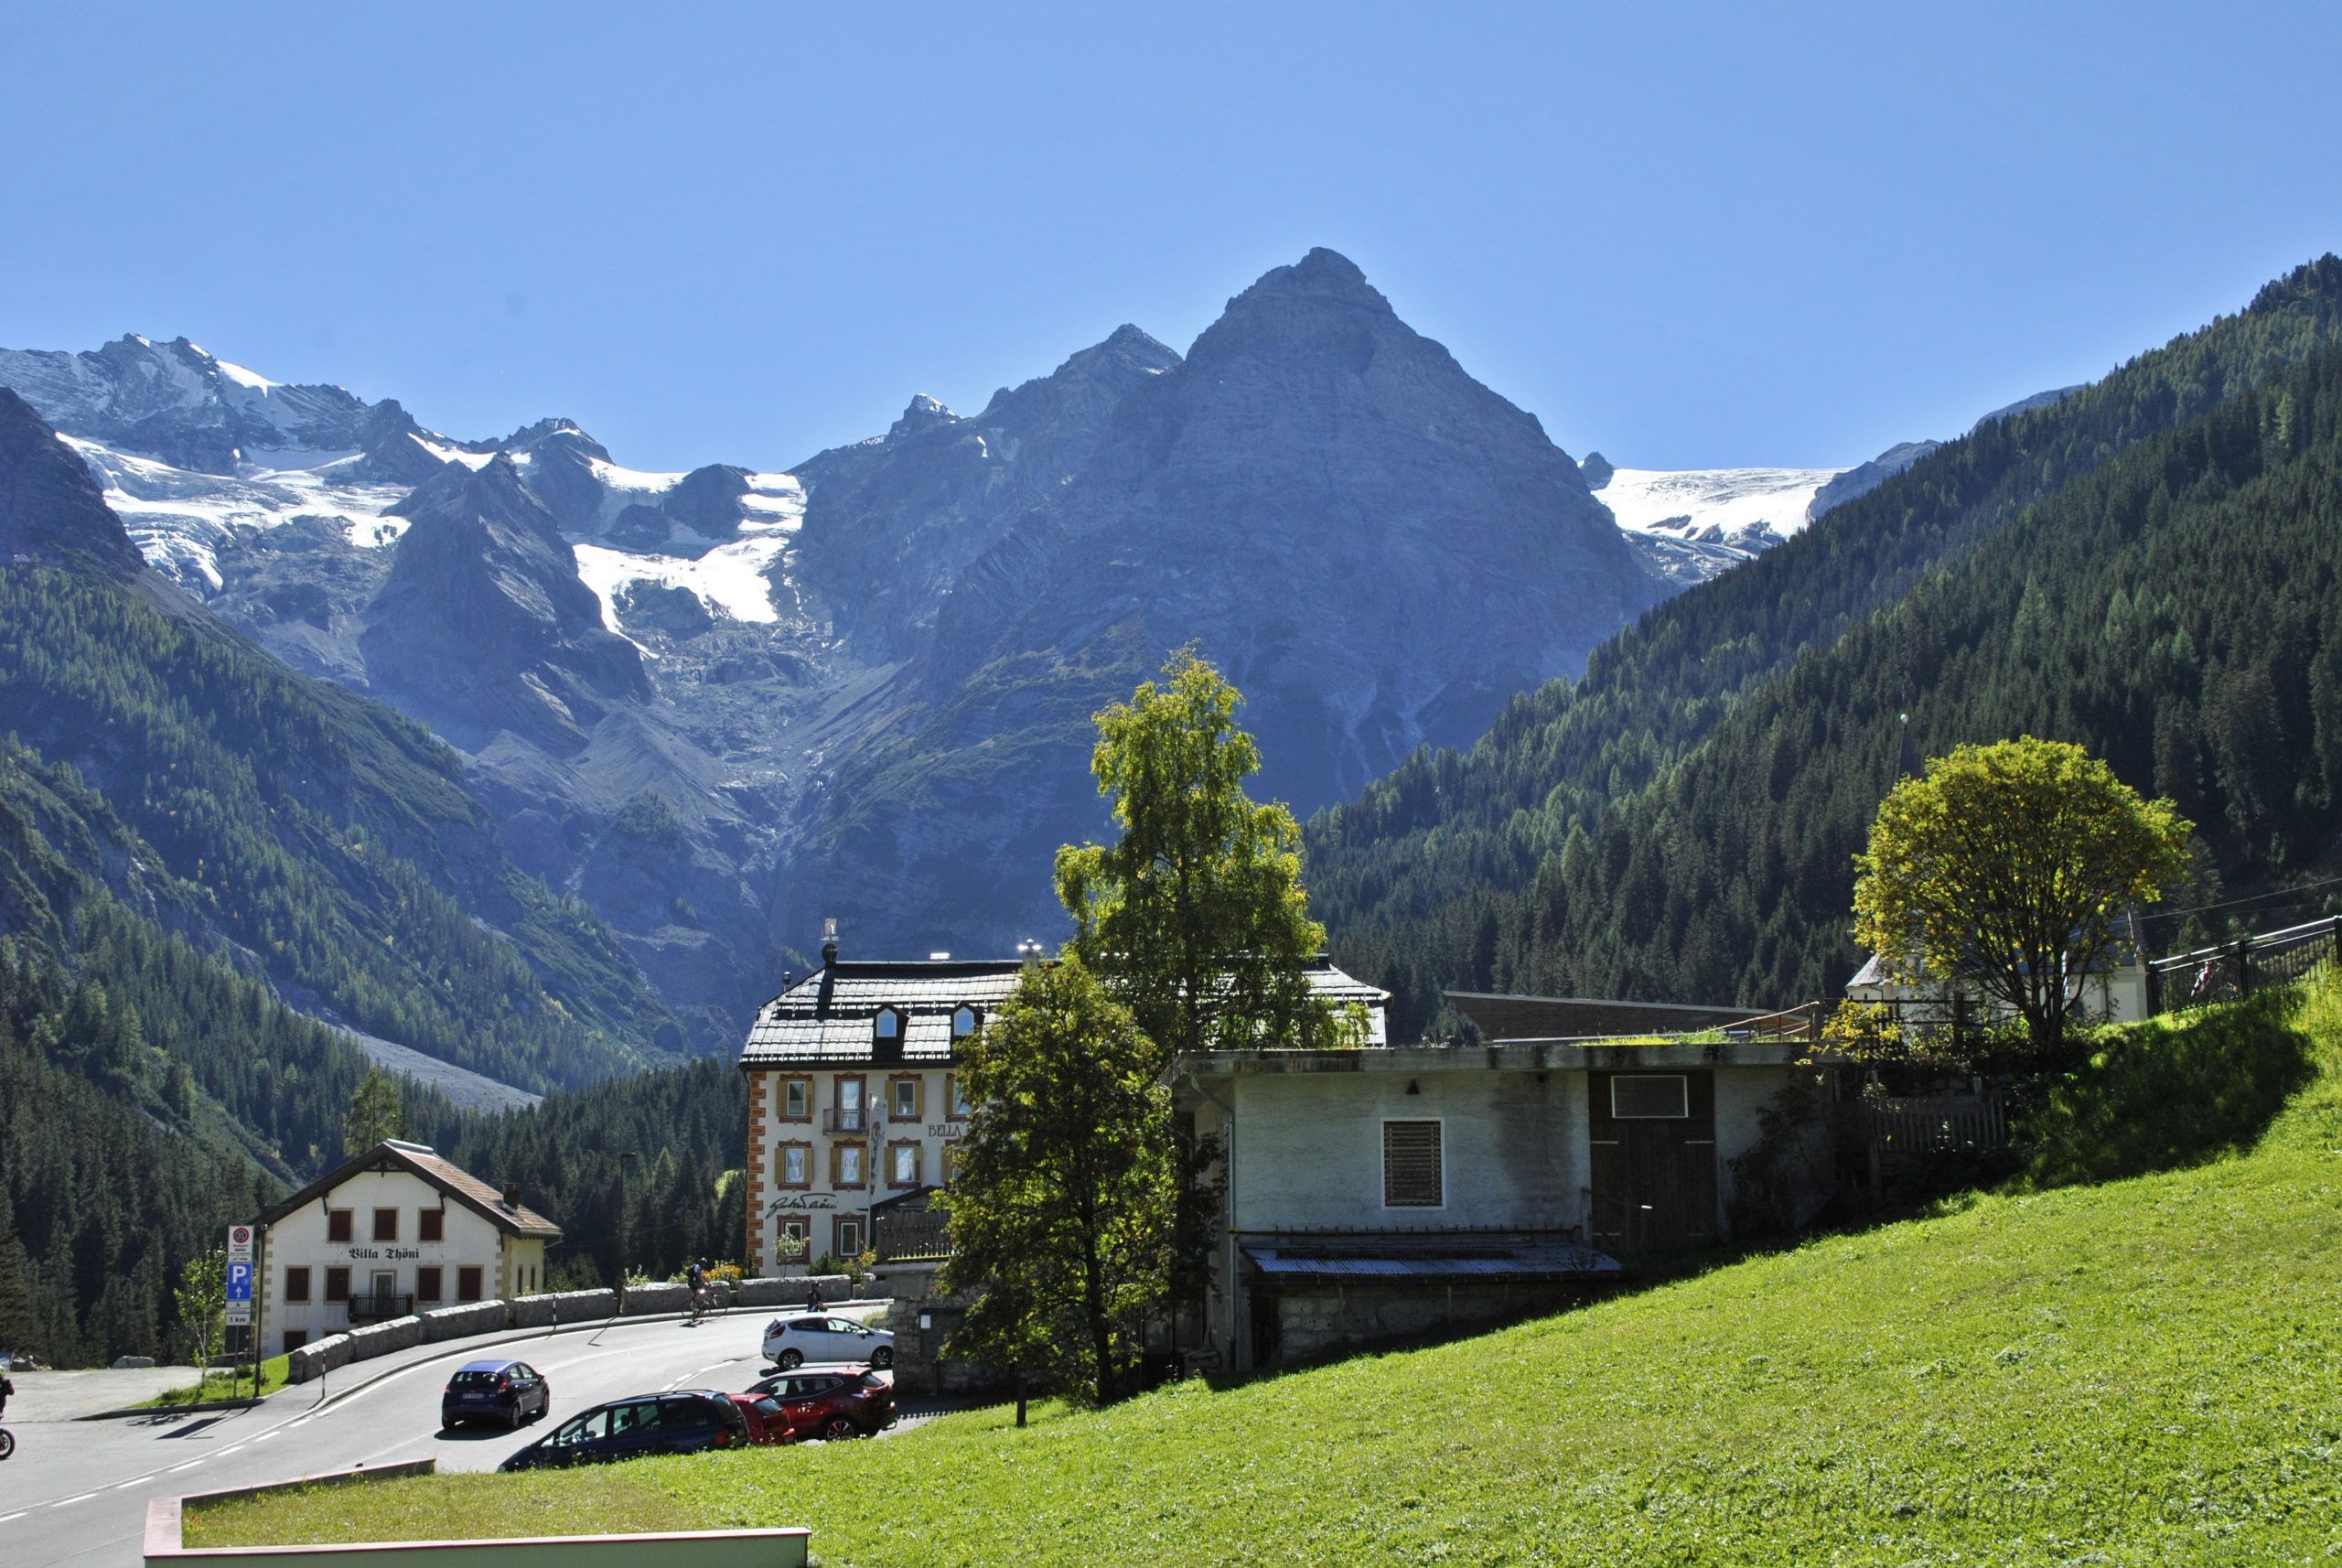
[(1195, 915), (1061, 1206), (2003, 868)]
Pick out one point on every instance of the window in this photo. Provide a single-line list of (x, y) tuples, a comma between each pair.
[(1650, 1096), (797, 1099), (336, 1284), (797, 1164), (1410, 1166), (386, 1225), (795, 1237), (849, 1239), (467, 1284), (902, 1099), (846, 1165), (295, 1338), (888, 1029), (591, 1427), (902, 1165), (337, 1225), (297, 1285), (957, 1095), (431, 1225), (427, 1283), (966, 1021), (848, 1115)]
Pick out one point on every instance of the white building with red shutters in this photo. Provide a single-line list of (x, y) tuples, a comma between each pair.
[(395, 1229)]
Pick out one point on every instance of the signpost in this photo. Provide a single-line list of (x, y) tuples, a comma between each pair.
[(241, 1275)]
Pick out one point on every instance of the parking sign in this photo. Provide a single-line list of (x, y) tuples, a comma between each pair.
[(240, 1243)]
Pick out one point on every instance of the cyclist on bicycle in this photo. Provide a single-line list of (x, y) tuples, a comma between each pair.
[(696, 1277)]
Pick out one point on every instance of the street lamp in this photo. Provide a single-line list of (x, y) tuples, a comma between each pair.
[(626, 1163)]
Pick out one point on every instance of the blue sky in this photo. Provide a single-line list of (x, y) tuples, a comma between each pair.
[(1689, 237)]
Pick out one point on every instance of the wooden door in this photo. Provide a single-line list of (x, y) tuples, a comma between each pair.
[(1653, 1137)]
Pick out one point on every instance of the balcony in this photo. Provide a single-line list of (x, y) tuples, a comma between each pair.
[(379, 1308), (846, 1121)]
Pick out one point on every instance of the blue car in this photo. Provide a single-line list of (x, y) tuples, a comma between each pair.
[(509, 1393), (687, 1420)]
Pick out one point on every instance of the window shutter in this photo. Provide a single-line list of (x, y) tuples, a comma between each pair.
[(1410, 1166)]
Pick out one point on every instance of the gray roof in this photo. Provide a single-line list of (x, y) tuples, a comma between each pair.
[(830, 1017)]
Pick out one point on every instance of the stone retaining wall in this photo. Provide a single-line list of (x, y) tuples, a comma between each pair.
[(338, 1350), (460, 1321), (792, 1292)]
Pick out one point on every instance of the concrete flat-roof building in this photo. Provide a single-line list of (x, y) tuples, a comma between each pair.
[(1377, 1194)]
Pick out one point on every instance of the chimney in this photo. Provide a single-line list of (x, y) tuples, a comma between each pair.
[(1029, 953), (511, 1195), (830, 943)]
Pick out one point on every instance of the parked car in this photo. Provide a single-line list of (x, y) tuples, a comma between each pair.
[(768, 1423), (790, 1342), (506, 1391), (833, 1402), (685, 1422)]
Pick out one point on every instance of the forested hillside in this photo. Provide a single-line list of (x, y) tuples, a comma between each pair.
[(2173, 611), (687, 1127), (318, 831), (1446, 832)]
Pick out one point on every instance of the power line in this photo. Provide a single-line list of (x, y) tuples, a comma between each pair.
[(2250, 898)]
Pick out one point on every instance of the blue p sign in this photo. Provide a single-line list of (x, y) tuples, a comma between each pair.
[(239, 1281)]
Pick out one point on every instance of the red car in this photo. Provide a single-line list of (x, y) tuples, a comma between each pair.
[(830, 1402), (768, 1424)]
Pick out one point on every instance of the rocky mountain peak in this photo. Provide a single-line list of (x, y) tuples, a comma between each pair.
[(924, 413), (554, 431), (51, 508), (483, 625)]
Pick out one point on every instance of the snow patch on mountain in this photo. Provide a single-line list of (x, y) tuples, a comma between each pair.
[(179, 518), (730, 579), (1688, 503)]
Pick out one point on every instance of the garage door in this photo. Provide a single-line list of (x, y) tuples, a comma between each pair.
[(1654, 1146)]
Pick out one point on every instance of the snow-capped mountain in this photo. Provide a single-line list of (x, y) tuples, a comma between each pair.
[(1689, 524), (861, 686)]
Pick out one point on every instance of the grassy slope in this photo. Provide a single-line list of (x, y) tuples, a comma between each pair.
[(2148, 1370)]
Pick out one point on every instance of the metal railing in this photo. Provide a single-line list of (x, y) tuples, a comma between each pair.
[(912, 1237), (379, 1308), (834, 1122), (2234, 971)]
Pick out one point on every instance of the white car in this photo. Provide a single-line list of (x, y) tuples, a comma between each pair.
[(790, 1342)]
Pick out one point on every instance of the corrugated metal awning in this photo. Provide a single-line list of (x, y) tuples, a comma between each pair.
[(1493, 1263)]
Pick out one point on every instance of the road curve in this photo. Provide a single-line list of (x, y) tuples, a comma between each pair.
[(76, 1491)]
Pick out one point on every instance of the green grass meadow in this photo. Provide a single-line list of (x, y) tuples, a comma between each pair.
[(2090, 1365)]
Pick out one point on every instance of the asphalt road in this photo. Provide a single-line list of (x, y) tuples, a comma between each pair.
[(76, 1491)]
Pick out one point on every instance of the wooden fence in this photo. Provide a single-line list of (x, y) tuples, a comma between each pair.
[(1910, 1127)]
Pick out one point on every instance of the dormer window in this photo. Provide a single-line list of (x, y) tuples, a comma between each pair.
[(888, 1030), (964, 1021)]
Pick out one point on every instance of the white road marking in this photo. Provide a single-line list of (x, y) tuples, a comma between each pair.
[(134, 1481), (20, 1513), (76, 1498), (266, 1435)]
